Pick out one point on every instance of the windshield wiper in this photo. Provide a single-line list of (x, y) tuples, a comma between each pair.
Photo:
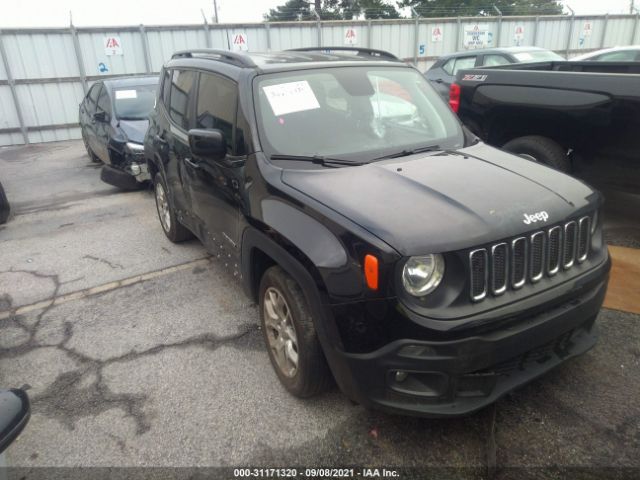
[(412, 151), (318, 159)]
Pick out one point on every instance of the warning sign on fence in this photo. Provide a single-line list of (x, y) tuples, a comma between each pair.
[(239, 42), (350, 36), (112, 46), (436, 33)]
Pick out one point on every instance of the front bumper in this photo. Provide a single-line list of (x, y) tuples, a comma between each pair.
[(469, 369)]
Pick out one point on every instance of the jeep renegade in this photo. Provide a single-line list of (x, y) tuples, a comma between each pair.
[(386, 247)]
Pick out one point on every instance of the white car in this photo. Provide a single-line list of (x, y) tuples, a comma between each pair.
[(615, 54)]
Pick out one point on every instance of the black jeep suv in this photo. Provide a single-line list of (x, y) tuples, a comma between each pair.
[(388, 248)]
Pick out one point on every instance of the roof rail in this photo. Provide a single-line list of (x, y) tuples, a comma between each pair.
[(223, 55), (363, 52)]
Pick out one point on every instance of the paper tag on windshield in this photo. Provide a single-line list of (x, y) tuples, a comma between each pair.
[(121, 94), (291, 97)]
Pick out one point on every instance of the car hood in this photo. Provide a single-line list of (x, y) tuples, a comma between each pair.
[(134, 129), (430, 203)]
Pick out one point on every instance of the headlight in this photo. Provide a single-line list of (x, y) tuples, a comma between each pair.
[(135, 147), (421, 275)]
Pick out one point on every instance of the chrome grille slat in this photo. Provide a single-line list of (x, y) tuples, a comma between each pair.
[(478, 260), (554, 250), (499, 268), (536, 261), (518, 262), (527, 259), (584, 237), (570, 241)]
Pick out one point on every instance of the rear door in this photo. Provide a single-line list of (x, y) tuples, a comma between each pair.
[(449, 70), (171, 140), (215, 186)]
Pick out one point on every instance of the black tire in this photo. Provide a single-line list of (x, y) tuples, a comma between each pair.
[(542, 150), (5, 210), (92, 156), (312, 375), (176, 232)]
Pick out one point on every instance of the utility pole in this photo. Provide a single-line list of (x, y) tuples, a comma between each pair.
[(318, 6), (215, 11), (631, 6)]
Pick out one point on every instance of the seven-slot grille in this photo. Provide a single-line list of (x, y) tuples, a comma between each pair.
[(529, 258)]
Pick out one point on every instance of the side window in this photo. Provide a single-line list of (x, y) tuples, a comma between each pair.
[(621, 56), (463, 63), (166, 87), (217, 104), (182, 83), (491, 60), (448, 66), (104, 105)]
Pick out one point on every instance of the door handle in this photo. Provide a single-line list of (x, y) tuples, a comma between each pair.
[(439, 80), (191, 163)]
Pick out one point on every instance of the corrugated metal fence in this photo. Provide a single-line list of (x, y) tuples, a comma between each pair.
[(44, 73)]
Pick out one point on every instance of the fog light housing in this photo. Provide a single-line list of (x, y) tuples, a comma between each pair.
[(135, 169)]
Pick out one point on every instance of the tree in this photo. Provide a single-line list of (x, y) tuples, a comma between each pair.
[(332, 10), (454, 8)]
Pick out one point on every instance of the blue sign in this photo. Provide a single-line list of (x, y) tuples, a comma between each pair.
[(421, 49), (102, 68)]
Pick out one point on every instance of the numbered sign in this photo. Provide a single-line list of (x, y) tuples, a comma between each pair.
[(436, 33), (350, 36), (239, 42), (112, 46), (518, 34)]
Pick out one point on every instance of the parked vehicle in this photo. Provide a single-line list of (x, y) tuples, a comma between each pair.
[(443, 73), (616, 54), (427, 272), (113, 119), (5, 209), (579, 117)]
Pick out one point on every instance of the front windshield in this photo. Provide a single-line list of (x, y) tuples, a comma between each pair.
[(352, 112), (537, 56), (134, 102)]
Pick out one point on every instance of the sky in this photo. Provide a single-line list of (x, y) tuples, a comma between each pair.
[(55, 13)]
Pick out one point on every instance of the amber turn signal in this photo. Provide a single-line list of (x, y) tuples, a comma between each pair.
[(371, 271)]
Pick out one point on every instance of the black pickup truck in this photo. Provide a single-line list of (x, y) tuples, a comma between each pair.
[(579, 117)]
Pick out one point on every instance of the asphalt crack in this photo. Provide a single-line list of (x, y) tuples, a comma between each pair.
[(113, 265), (83, 392)]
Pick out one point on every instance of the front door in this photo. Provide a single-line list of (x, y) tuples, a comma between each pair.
[(214, 186), (103, 127)]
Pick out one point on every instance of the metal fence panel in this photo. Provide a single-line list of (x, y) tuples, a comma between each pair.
[(40, 55), (49, 72), (95, 60)]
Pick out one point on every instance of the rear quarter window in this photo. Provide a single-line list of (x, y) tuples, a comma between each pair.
[(182, 86)]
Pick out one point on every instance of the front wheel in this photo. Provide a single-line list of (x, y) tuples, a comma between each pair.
[(92, 156), (540, 149), (173, 229), (290, 335)]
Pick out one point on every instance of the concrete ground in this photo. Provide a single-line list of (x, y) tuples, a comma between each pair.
[(139, 352)]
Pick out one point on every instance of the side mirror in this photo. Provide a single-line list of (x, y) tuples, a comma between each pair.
[(100, 116), (14, 415), (208, 143)]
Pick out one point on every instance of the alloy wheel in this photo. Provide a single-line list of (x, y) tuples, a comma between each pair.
[(281, 333)]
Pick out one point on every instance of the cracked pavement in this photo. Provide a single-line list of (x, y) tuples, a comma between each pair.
[(139, 352)]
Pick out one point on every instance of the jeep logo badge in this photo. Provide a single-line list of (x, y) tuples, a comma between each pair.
[(535, 217)]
